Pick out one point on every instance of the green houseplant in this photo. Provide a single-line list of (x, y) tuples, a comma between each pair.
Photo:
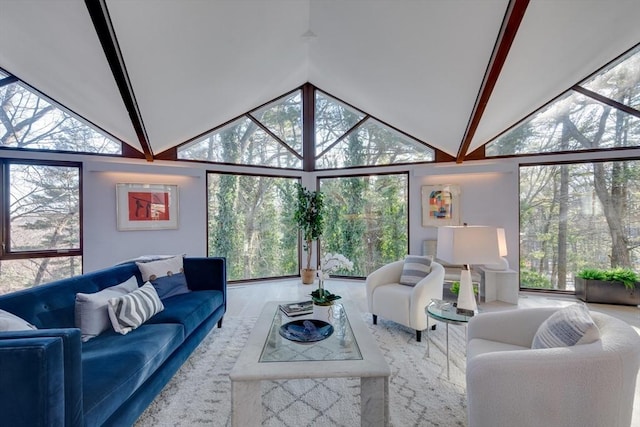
[(608, 286), (309, 217)]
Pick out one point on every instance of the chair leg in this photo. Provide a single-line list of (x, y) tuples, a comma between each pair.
[(433, 327), (418, 335), (375, 319)]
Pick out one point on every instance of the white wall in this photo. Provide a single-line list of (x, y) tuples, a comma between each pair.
[(104, 245), (489, 196)]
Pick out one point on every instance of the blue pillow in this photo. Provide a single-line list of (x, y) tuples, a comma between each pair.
[(172, 285)]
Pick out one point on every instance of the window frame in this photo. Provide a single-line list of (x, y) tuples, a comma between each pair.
[(6, 253)]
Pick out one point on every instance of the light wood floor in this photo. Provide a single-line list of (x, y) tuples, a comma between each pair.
[(248, 300)]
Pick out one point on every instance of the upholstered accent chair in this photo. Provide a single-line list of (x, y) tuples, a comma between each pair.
[(511, 384), (403, 304)]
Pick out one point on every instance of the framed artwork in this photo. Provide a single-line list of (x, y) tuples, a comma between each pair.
[(146, 206), (440, 205)]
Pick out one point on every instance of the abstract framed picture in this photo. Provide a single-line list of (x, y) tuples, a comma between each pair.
[(146, 207), (440, 205)]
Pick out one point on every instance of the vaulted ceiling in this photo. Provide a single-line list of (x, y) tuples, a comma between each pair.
[(427, 67)]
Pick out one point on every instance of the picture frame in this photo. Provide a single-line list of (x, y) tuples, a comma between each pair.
[(440, 205), (146, 206)]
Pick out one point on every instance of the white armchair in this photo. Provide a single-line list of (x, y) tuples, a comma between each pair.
[(403, 304), (510, 384)]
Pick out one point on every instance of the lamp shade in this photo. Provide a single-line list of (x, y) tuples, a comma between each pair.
[(468, 244)]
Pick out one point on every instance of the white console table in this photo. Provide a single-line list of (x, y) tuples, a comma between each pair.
[(500, 285)]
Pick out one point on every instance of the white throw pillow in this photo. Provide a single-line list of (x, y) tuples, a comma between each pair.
[(130, 311), (566, 327), (91, 314), (155, 269), (10, 322), (415, 269)]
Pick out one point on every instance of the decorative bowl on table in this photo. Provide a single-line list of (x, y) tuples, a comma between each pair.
[(306, 330)]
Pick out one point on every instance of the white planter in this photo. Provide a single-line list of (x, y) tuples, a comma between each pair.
[(323, 312)]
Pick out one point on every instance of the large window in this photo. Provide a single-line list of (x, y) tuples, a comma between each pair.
[(251, 223), (30, 121), (578, 215), (602, 112), (41, 232), (366, 220)]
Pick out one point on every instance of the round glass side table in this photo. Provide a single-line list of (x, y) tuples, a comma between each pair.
[(444, 311)]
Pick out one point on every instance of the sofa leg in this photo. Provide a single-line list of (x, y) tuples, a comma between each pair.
[(418, 335), (433, 327), (375, 319), (220, 322)]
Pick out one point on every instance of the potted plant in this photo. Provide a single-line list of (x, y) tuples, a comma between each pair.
[(309, 217), (610, 286), (330, 263)]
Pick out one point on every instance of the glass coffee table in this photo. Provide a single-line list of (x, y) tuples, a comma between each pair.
[(445, 312), (350, 351)]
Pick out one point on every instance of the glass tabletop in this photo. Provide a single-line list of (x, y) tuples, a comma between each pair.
[(340, 345), (445, 311)]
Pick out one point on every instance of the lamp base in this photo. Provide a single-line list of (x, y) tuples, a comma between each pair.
[(466, 298)]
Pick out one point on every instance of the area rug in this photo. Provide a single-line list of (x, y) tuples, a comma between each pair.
[(419, 392)]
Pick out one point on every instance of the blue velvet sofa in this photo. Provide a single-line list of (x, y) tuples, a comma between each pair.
[(49, 377)]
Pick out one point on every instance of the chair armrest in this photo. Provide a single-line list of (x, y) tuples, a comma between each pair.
[(429, 288), (389, 273), (32, 382), (570, 379), (71, 372), (517, 326)]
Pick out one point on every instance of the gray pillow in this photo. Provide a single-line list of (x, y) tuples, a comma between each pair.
[(11, 322), (91, 312), (129, 311), (568, 326), (415, 269)]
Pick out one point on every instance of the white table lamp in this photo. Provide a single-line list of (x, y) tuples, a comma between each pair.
[(468, 245)]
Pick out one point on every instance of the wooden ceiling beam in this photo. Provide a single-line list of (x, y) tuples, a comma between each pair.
[(510, 25), (104, 28)]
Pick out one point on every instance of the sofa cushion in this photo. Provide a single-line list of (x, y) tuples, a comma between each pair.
[(91, 312), (127, 312), (568, 326), (11, 322), (114, 366), (166, 275), (415, 268), (190, 309)]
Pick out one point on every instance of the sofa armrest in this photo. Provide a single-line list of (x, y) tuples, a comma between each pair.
[(208, 273), (517, 326), (71, 372), (32, 382)]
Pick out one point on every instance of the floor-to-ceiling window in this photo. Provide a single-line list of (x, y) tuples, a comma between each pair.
[(579, 213), (574, 216), (366, 220), (250, 223)]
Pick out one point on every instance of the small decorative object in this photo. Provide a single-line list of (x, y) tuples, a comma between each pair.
[(306, 330), (440, 205), (146, 207), (309, 216)]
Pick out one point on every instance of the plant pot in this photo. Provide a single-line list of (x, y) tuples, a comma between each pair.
[(323, 312), (603, 292), (308, 275)]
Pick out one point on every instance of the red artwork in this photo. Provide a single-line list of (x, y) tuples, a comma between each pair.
[(148, 206)]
